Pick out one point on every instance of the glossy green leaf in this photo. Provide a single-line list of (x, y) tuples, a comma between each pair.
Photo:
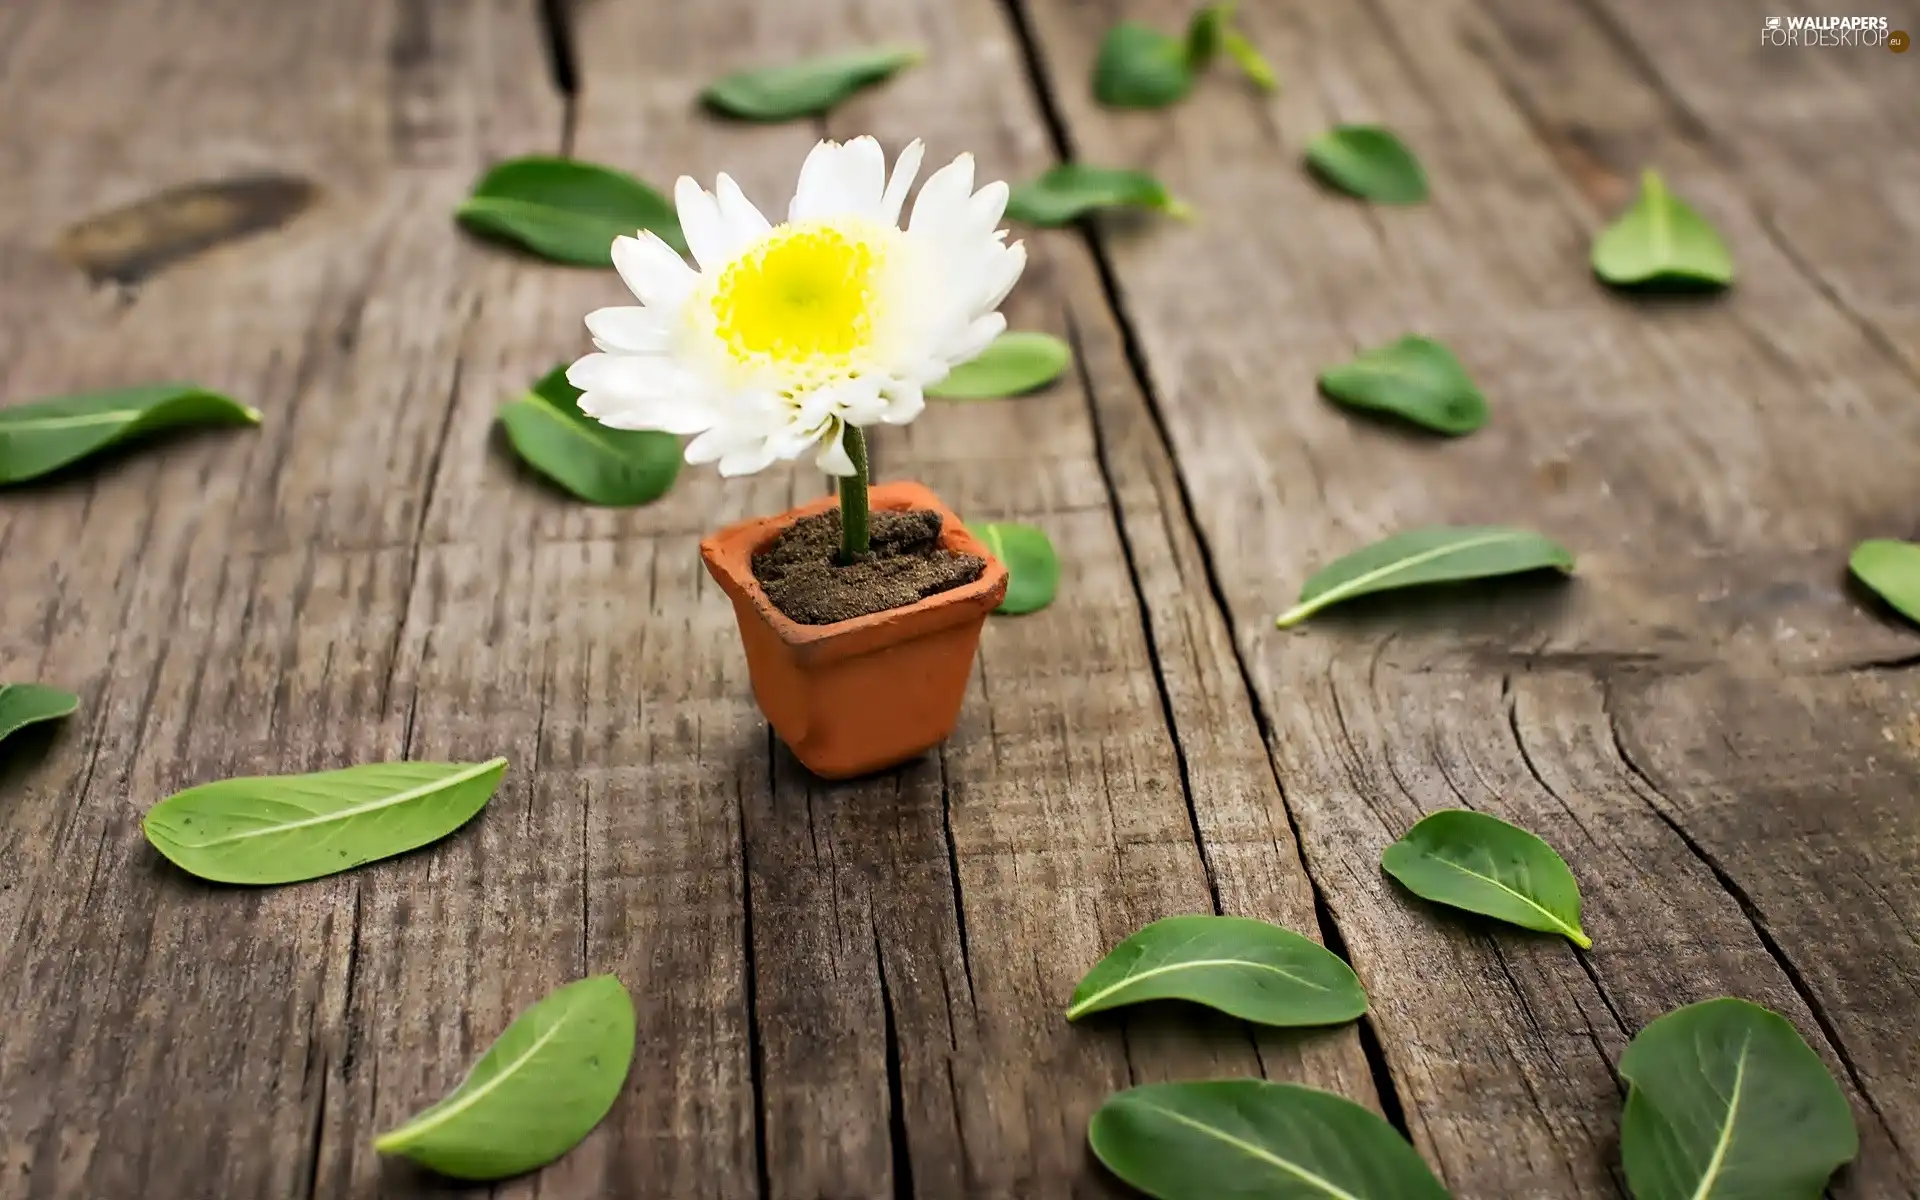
[(1249, 969), (616, 467), (1071, 191), (285, 828), (1140, 67), (1033, 569), (24, 704), (1211, 32), (1370, 162), (1248, 1139), (807, 88), (1423, 556), (1660, 242), (1479, 863), (567, 210), (1891, 569), (1414, 378), (42, 437), (538, 1090), (1015, 362), (1727, 1102)]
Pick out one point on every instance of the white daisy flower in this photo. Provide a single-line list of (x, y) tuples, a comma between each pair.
[(788, 334)]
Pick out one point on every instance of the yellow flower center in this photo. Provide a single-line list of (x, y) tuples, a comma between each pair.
[(800, 299)]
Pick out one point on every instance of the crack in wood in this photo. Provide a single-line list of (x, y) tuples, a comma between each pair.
[(1168, 716), (756, 1051), (555, 18), (953, 880), (1652, 797), (896, 1094), (415, 546)]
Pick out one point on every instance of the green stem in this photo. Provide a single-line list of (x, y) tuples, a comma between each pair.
[(853, 499)]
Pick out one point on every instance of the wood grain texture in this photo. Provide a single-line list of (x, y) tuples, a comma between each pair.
[(1711, 463), (847, 990), (915, 937), (857, 990), (224, 604)]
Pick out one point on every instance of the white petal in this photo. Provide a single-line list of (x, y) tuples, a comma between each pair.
[(840, 180), (810, 192), (1004, 273), (681, 417), (748, 460), (700, 221), (718, 442), (656, 275), (859, 402), (906, 169), (905, 402), (928, 372), (976, 338), (619, 374), (988, 205), (744, 222), (863, 174), (834, 459), (631, 330), (943, 201)]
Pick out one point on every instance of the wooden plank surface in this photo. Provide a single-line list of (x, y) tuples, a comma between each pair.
[(856, 990), (1711, 463)]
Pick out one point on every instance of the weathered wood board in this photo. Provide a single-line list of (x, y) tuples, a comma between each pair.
[(857, 990)]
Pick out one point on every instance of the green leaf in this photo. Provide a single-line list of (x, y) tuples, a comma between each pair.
[(1482, 864), (1368, 161), (566, 210), (1140, 67), (1422, 556), (1249, 60), (42, 437), (24, 704), (615, 467), (286, 828), (1033, 569), (1015, 362), (1245, 968), (538, 1090), (1211, 31), (1415, 378), (1660, 242), (1255, 1140), (1727, 1102), (807, 88), (1071, 191), (1892, 570)]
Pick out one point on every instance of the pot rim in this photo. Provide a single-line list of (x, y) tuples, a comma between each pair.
[(729, 557)]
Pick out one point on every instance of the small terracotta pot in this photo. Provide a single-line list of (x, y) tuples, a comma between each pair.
[(862, 695)]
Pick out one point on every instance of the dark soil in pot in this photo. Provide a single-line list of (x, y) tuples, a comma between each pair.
[(801, 573)]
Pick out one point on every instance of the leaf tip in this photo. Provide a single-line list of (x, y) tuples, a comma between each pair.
[(1579, 938), (1178, 209)]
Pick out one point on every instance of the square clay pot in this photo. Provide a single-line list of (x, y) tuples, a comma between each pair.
[(858, 696)]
